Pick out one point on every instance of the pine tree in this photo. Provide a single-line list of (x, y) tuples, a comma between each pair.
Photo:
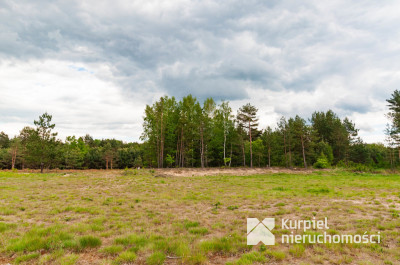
[(247, 119)]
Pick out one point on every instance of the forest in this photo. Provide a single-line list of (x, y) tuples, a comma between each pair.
[(188, 133)]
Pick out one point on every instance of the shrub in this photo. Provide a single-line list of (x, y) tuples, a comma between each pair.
[(322, 162)]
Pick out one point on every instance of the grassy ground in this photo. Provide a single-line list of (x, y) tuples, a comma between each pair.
[(144, 217)]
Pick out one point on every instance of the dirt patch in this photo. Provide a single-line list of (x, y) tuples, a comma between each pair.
[(191, 172)]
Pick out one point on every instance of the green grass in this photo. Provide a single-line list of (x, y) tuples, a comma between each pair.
[(26, 258), (112, 250), (122, 217), (250, 258), (89, 242), (157, 258), (125, 257)]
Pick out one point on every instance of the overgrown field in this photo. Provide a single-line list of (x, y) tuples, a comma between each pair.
[(146, 217)]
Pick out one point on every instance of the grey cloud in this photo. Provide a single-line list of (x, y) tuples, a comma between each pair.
[(361, 105), (213, 48)]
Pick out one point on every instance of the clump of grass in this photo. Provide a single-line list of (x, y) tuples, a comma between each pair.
[(89, 242), (112, 250), (233, 207), (125, 257), (39, 238), (134, 241), (216, 205), (317, 191), (190, 224), (280, 188), (157, 258), (297, 251), (249, 258), (279, 204), (275, 254), (173, 246), (69, 259), (26, 258), (198, 230), (6, 211), (108, 201), (6, 226), (129, 172), (223, 245)]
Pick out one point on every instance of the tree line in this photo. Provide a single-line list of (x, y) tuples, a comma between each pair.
[(188, 133), (38, 148)]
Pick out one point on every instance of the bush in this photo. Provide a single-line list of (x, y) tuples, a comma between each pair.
[(322, 162)]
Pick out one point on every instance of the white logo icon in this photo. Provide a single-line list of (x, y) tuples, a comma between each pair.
[(260, 231)]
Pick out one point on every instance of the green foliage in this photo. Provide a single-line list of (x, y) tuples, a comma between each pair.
[(322, 162), (170, 160), (186, 133)]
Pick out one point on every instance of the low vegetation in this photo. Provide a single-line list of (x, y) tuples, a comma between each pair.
[(120, 217)]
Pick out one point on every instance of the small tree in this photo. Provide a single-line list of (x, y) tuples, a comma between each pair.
[(247, 118), (42, 141)]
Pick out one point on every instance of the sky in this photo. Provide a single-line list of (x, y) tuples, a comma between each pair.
[(94, 65)]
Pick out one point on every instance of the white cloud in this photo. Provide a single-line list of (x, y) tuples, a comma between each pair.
[(79, 101)]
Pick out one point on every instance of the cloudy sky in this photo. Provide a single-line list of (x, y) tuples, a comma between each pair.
[(94, 65)]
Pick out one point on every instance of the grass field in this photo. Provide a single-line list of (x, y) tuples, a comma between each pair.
[(148, 217)]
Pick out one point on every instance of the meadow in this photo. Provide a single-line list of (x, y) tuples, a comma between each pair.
[(155, 217)]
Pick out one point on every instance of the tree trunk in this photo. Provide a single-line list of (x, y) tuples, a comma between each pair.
[(14, 158), (290, 153), (177, 155), (304, 154), (399, 154), (230, 158), (269, 156), (284, 145), (182, 154), (111, 163), (106, 163), (202, 146), (251, 147), (158, 150), (244, 155), (224, 148), (162, 143), (41, 167), (205, 155)]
